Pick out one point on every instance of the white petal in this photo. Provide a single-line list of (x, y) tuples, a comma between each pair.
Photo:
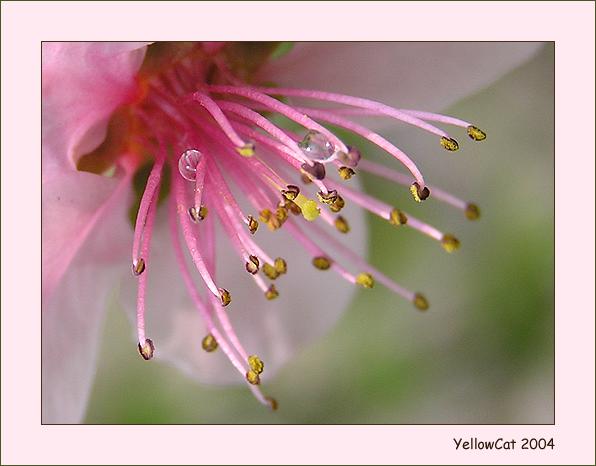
[(73, 314), (421, 75), (309, 305)]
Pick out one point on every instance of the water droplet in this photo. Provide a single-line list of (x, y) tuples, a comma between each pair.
[(317, 147), (188, 162)]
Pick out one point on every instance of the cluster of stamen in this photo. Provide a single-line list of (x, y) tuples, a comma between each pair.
[(217, 136)]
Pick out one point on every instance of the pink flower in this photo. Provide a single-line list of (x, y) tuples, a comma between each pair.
[(205, 121)]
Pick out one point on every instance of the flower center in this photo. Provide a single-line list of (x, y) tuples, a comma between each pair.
[(200, 113)]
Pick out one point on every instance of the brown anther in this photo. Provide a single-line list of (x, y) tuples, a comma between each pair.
[(147, 350), (305, 178), (280, 265), (274, 223), (253, 225), (341, 224), (316, 170), (449, 143), (270, 271), (449, 242), (252, 266), (293, 207), (397, 217), (476, 133), (224, 297), (472, 211), (337, 205), (209, 343), (351, 158), (365, 280), (271, 292), (327, 198), (255, 364), (420, 302), (253, 378), (273, 404), (139, 267), (321, 262), (264, 215), (197, 215), (346, 173), (291, 192), (419, 194)]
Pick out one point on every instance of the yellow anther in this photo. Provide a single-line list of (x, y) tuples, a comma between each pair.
[(255, 364), (273, 404), (253, 225), (203, 211), (209, 343), (271, 293), (420, 302), (449, 143), (337, 205), (253, 378), (397, 217), (346, 173), (252, 266), (291, 192), (449, 242), (282, 214), (365, 280), (270, 271), (147, 349), (321, 262), (419, 194), (264, 215), (327, 198), (139, 267), (476, 133), (341, 224), (247, 150), (224, 297), (472, 211), (280, 265)]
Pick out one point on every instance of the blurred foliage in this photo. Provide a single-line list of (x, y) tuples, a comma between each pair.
[(483, 353)]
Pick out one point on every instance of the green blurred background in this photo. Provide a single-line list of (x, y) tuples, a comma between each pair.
[(483, 353)]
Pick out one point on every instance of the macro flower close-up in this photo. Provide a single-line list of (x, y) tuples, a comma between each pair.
[(236, 199)]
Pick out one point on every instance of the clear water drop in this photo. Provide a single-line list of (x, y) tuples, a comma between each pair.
[(317, 147), (188, 162)]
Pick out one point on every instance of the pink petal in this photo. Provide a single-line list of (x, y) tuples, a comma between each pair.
[(73, 315), (309, 305), (420, 75), (82, 84)]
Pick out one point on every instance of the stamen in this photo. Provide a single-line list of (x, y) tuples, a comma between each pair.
[(420, 302), (209, 343), (225, 297), (397, 217), (419, 194), (253, 225), (273, 404), (342, 224), (147, 349), (252, 266), (449, 143), (346, 172), (476, 133), (271, 292), (255, 364), (139, 267), (321, 262), (365, 280), (472, 211), (291, 192), (253, 378), (316, 170), (450, 243)]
